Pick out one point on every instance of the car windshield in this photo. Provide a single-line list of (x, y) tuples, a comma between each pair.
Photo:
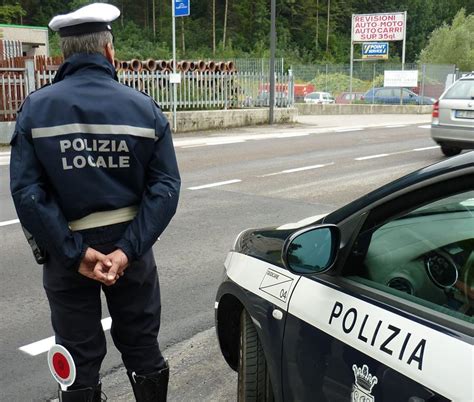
[(456, 203), (463, 89)]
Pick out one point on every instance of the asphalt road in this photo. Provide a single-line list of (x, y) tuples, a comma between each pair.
[(249, 178)]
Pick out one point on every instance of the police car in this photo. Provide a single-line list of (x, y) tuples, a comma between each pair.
[(373, 302)]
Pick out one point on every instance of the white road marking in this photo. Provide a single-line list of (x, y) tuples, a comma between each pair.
[(191, 142), (425, 126), (194, 146), (11, 222), (221, 183), (42, 346), (426, 148), (346, 130), (291, 135), (396, 153), (363, 158), (396, 125), (301, 223), (203, 141), (225, 142), (220, 141), (296, 170)]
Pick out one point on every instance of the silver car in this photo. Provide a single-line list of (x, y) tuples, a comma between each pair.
[(452, 125)]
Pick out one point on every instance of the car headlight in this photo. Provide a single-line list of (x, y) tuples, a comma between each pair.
[(237, 246)]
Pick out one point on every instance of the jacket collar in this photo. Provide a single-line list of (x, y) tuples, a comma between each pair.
[(81, 61)]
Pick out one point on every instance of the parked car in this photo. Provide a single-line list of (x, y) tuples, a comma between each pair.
[(373, 302), (319, 98), (452, 125), (392, 96), (345, 97)]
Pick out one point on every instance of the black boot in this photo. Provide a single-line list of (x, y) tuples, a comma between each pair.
[(90, 394), (152, 387)]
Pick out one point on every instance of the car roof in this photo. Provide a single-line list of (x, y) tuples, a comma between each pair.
[(468, 76), (458, 163)]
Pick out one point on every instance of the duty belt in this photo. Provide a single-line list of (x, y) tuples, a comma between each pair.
[(104, 218)]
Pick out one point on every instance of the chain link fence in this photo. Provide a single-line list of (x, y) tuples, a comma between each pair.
[(368, 80), (258, 66)]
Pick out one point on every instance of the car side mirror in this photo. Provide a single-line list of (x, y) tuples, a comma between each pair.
[(313, 250)]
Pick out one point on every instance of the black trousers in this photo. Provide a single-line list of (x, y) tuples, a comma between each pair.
[(133, 302)]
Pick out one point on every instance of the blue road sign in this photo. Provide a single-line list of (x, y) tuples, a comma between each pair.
[(182, 8), (375, 49)]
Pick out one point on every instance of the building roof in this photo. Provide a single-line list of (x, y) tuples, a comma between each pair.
[(22, 26)]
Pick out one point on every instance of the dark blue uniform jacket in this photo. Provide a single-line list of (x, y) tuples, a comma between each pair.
[(87, 144)]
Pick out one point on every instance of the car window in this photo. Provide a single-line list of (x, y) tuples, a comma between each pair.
[(384, 92), (463, 89), (425, 256)]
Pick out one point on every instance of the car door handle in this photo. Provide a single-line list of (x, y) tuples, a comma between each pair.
[(277, 314)]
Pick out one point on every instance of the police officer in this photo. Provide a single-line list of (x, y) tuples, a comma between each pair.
[(95, 181)]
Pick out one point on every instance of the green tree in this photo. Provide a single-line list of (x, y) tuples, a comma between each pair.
[(452, 44), (301, 25), (11, 13)]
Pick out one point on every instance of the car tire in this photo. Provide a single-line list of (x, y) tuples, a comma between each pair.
[(253, 382), (450, 151)]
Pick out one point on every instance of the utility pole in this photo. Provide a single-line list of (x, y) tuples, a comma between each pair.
[(317, 24), (225, 22), (327, 30), (182, 36), (175, 89), (272, 60), (154, 19), (214, 27), (121, 15)]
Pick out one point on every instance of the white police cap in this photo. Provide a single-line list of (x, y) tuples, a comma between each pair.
[(92, 18)]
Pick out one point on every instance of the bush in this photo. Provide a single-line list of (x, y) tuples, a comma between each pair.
[(337, 83)]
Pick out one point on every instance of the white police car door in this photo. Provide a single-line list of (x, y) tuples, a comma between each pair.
[(397, 325)]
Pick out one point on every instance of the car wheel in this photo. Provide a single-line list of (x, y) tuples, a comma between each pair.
[(253, 382), (450, 151)]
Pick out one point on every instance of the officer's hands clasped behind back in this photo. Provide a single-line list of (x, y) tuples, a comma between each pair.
[(106, 269)]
